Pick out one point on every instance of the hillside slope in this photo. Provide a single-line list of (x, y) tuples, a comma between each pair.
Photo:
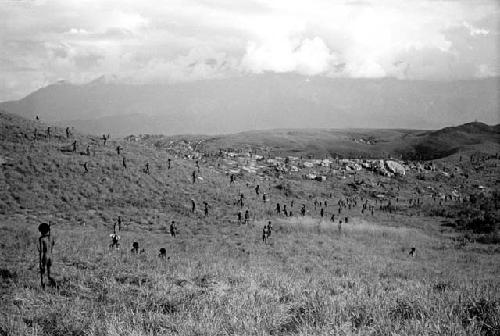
[(315, 275)]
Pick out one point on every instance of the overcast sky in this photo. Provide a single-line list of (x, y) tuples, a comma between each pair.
[(178, 40)]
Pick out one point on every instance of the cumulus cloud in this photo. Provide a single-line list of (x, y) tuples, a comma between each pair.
[(307, 56), (179, 40)]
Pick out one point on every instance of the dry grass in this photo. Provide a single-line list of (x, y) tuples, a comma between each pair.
[(221, 279)]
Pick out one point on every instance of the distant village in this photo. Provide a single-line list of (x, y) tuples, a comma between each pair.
[(260, 162)]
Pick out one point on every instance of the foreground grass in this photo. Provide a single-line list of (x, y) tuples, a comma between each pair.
[(308, 280)]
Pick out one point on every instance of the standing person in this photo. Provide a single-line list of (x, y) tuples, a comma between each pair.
[(45, 246), (124, 163), (104, 138), (322, 212), (169, 163), (206, 208), (303, 210), (68, 133), (239, 217), (257, 189), (74, 146), (173, 229), (231, 179), (193, 205), (264, 234), (269, 229), (193, 176), (278, 208), (247, 216)]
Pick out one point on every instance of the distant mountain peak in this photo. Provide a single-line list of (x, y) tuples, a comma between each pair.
[(104, 79)]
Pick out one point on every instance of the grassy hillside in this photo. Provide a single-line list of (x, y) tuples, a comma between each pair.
[(352, 143), (220, 278)]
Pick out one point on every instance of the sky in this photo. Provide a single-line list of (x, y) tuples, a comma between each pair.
[(166, 41)]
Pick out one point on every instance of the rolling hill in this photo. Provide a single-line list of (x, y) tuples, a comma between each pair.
[(366, 143)]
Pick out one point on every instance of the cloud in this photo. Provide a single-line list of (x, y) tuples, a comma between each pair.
[(306, 56), (179, 40)]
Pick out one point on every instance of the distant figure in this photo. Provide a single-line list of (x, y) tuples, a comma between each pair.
[(104, 139), (278, 208), (291, 204), (193, 205), (173, 229), (74, 146), (340, 226), (85, 166), (193, 176), (68, 133), (231, 179), (135, 247), (247, 216), (206, 208), (322, 212), (303, 210), (413, 252), (87, 152), (45, 246), (114, 241), (269, 229), (118, 150), (146, 169), (169, 163), (163, 253), (35, 134), (48, 132), (37, 118), (264, 197), (241, 200), (117, 225), (124, 163), (332, 218), (257, 189), (239, 217), (346, 220), (264, 234)]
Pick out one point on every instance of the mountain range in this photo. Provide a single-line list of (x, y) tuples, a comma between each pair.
[(261, 102)]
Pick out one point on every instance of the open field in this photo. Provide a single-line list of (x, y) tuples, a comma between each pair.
[(220, 278)]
